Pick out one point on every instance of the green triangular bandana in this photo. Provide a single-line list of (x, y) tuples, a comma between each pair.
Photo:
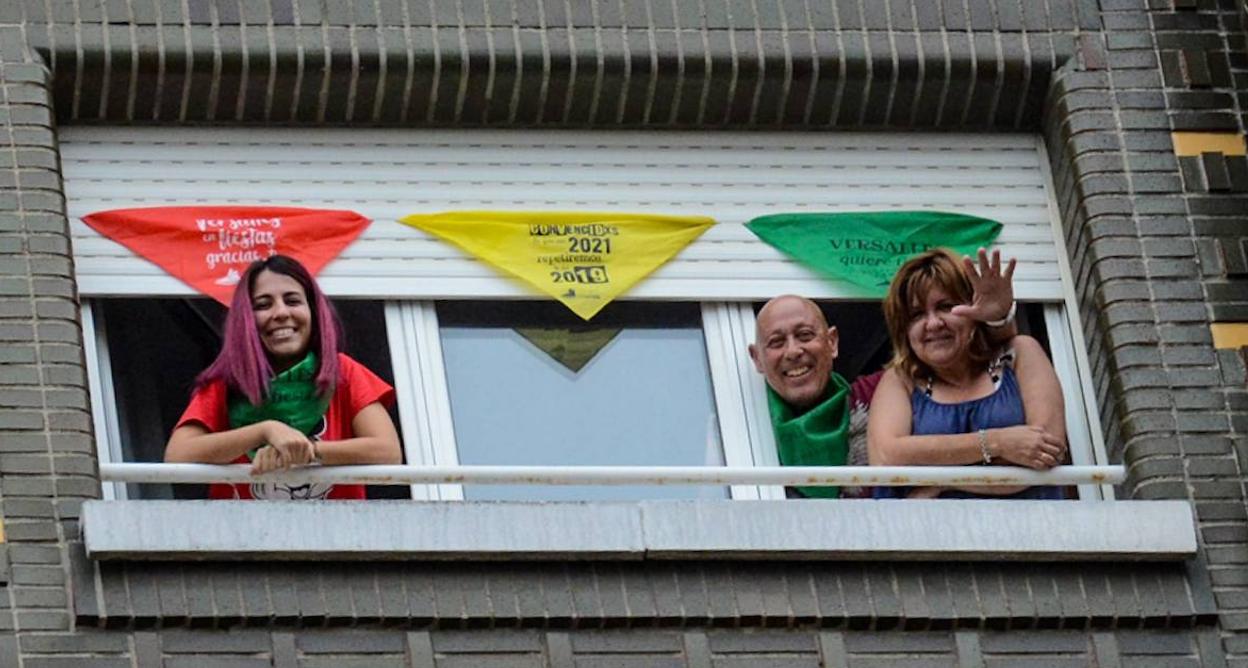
[(867, 248), (818, 437)]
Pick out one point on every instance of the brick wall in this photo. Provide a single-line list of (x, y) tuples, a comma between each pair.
[(47, 463), (1157, 244)]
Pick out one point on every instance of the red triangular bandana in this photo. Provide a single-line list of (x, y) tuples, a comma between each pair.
[(209, 247)]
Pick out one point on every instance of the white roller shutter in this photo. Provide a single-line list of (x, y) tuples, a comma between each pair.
[(385, 174)]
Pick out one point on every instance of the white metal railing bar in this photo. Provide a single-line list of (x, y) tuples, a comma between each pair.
[(806, 476)]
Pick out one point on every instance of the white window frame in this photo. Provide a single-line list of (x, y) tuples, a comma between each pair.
[(414, 339), (427, 426), (727, 305), (103, 400), (1069, 353), (414, 336)]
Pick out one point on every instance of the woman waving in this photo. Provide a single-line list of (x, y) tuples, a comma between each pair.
[(952, 397)]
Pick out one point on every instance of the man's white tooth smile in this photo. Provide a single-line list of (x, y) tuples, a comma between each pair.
[(799, 371)]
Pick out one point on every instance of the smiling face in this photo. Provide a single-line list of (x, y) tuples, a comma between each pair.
[(283, 318), (939, 338), (794, 350)]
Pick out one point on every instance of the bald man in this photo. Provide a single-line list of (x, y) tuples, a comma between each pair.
[(818, 417)]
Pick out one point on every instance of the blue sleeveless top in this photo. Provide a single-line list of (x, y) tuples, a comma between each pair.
[(1002, 408)]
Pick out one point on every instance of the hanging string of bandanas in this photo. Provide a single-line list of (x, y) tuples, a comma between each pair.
[(582, 259)]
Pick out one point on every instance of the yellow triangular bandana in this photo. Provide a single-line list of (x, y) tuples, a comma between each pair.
[(583, 259)]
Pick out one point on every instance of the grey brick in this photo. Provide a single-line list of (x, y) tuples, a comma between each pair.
[(21, 442), (1156, 642), (504, 586), (889, 642), (420, 598), (392, 662), (34, 554), (350, 642), (914, 601), (638, 595), (82, 641), (9, 654), (718, 585), (18, 531), (40, 597), (695, 602), (391, 585), (885, 602), (220, 662), (1042, 642), (1225, 534), (489, 661), (632, 642), (335, 585), (43, 620), (206, 642), (525, 597), (27, 486), (502, 641), (178, 599), (748, 589), (73, 662), (761, 642), (29, 508)]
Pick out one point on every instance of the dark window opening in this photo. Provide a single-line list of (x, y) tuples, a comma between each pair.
[(864, 347), (157, 346)]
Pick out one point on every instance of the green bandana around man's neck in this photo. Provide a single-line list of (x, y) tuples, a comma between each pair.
[(817, 437), (291, 400)]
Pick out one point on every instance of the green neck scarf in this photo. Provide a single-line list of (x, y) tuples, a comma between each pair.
[(291, 400), (817, 437)]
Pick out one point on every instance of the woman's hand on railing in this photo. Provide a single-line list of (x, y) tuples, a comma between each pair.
[(285, 447)]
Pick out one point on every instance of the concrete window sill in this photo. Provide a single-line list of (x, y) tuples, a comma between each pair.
[(655, 530)]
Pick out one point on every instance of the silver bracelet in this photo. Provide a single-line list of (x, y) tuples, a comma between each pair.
[(1009, 317), (983, 446)]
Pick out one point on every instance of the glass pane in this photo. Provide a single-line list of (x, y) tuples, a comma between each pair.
[(642, 396)]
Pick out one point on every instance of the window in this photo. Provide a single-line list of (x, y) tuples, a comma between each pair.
[(531, 383), (422, 301), (425, 300), (150, 350)]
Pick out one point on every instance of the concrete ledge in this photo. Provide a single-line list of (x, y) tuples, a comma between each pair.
[(659, 530), (295, 530), (946, 529)]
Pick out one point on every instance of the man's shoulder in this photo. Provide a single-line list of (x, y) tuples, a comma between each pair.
[(862, 389)]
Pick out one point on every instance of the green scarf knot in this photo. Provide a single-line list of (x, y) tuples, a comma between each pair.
[(291, 400), (817, 437)]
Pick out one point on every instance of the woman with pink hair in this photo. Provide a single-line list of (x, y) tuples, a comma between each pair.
[(280, 393)]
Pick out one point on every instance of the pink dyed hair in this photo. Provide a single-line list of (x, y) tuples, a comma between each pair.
[(243, 364)]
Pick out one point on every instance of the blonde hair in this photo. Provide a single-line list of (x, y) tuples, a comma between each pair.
[(936, 268)]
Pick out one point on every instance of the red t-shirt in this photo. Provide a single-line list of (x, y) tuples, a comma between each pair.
[(357, 387)]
